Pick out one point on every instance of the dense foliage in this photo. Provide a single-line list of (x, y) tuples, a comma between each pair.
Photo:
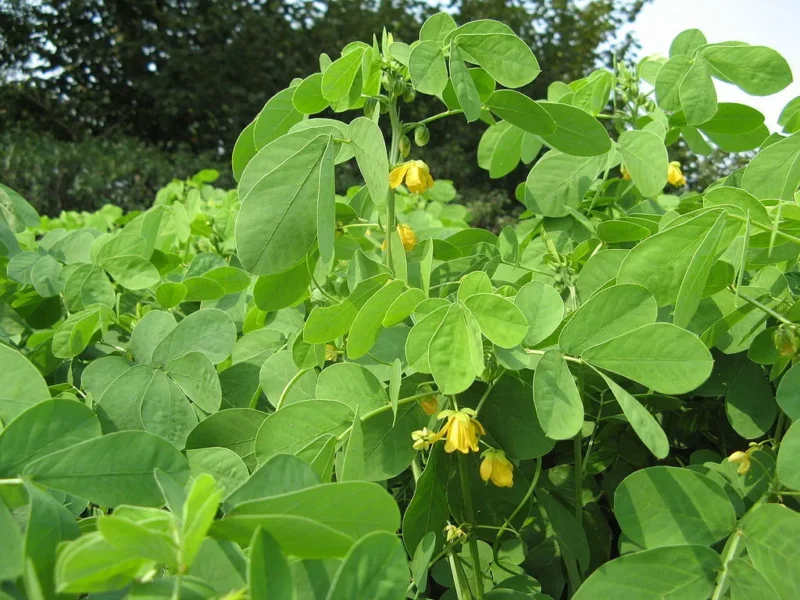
[(280, 392)]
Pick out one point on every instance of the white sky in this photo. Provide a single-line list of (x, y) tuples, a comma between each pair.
[(773, 23)]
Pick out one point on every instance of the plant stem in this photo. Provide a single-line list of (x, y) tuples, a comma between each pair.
[(578, 480), (458, 574), (779, 426), (13, 481), (571, 359), (764, 308), (525, 499), (442, 115), (722, 578), (288, 388), (383, 409), (489, 389), (477, 576), (763, 227), (394, 156)]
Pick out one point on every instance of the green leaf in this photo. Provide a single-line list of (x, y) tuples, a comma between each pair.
[(352, 468), (353, 385), (660, 262), (697, 94), (464, 86), (136, 539), (732, 118), (723, 196), (521, 111), (201, 289), (422, 556), (12, 565), (44, 428), (276, 373), (646, 159), (387, 452), (49, 524), (428, 511), (164, 409), (375, 568), (403, 307), (747, 583), (788, 394), (788, 458), (687, 42), (91, 564), (340, 75), (556, 398), (307, 97), (276, 225), (455, 353), (208, 331), (642, 422), (660, 356), (243, 150), (570, 534), (275, 119), (87, 285), (749, 403), (113, 469), (772, 537), (170, 293), (351, 508), (280, 474), (328, 323), (46, 276), (74, 334), (500, 320), (367, 324), (427, 68), (21, 384), (373, 162), (757, 70), (610, 313), (577, 132), (543, 308), (685, 572), (504, 56), (293, 427), (198, 379), (694, 281), (558, 182), (268, 573), (436, 28), (668, 82), (670, 506), (775, 171), (277, 291)]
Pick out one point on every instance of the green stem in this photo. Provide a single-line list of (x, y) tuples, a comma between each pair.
[(322, 291), (288, 388), (571, 359), (394, 156), (722, 578), (383, 409), (578, 480), (458, 575), (507, 523), (779, 426), (477, 576), (764, 308), (442, 115), (763, 227), (489, 389), (13, 481)]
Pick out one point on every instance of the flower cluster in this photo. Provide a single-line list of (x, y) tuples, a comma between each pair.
[(462, 432)]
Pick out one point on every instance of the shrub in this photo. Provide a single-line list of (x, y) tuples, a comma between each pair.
[(251, 392)]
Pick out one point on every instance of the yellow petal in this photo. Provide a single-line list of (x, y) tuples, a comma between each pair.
[(397, 174), (486, 468), (503, 476), (415, 179)]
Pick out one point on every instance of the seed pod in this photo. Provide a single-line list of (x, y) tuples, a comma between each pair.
[(405, 146), (422, 135)]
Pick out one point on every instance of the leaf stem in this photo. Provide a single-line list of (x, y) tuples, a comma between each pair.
[(722, 578), (12, 481), (458, 574), (772, 230), (764, 308), (477, 576), (394, 155), (489, 389), (383, 409), (571, 359), (288, 387), (507, 523), (442, 115)]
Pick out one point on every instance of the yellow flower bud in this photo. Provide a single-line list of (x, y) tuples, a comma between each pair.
[(497, 468), (416, 174), (454, 533), (330, 352), (743, 458), (462, 430), (674, 174), (424, 438), (626, 175), (408, 237)]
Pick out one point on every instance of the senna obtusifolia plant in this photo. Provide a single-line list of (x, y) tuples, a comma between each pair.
[(279, 392)]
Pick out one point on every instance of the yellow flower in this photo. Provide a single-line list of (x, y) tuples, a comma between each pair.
[(430, 404), (743, 459), (417, 176), (497, 468), (424, 438), (626, 175), (330, 352), (454, 533), (461, 431), (674, 174), (407, 236)]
